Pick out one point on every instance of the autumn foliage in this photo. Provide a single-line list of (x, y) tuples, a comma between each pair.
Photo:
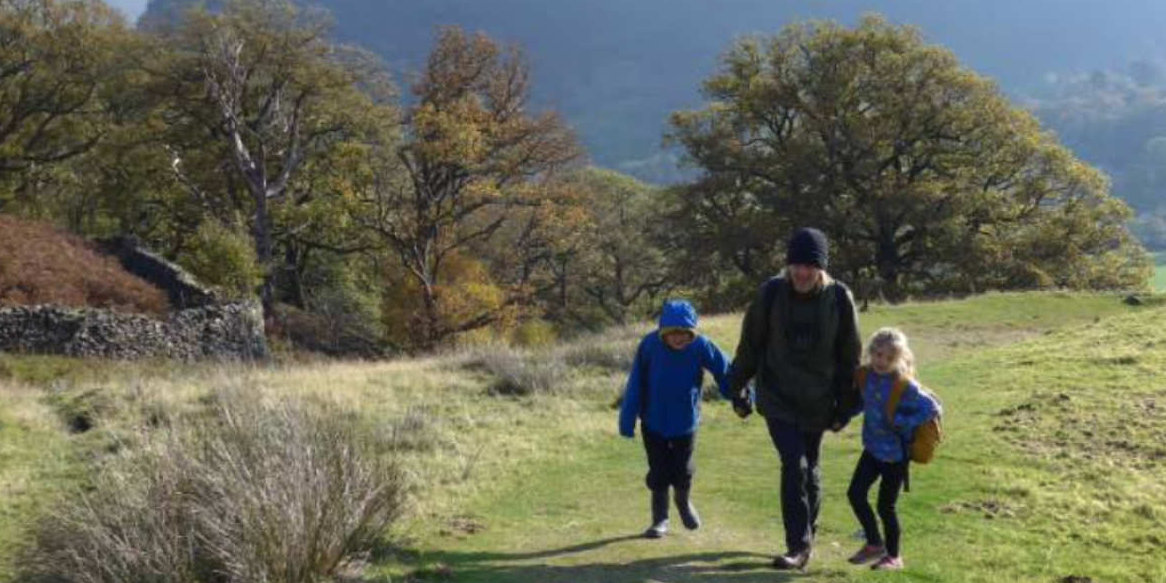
[(243, 144), (40, 264)]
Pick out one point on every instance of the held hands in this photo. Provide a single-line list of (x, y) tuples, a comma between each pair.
[(742, 405)]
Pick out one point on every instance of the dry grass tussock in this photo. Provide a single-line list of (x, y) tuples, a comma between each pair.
[(248, 491), (40, 264), (173, 450), (431, 418), (552, 370)]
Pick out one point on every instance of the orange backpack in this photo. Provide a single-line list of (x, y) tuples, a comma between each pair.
[(926, 438)]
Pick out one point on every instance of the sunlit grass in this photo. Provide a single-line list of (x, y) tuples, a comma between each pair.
[(538, 487)]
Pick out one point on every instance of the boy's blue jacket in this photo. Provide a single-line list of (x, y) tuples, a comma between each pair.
[(664, 386), (885, 441)]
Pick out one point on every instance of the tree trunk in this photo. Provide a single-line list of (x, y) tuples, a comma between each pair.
[(264, 253), (294, 265), (562, 283), (431, 334), (888, 264)]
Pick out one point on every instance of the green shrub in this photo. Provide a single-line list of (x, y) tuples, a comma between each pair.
[(224, 258), (341, 313)]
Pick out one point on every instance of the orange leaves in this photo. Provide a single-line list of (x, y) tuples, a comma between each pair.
[(41, 265)]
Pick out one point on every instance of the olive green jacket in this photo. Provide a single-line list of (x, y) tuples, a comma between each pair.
[(802, 351)]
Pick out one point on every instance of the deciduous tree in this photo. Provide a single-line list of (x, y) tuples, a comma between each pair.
[(924, 175), (471, 151)]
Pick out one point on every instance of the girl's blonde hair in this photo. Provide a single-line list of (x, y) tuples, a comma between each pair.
[(896, 341)]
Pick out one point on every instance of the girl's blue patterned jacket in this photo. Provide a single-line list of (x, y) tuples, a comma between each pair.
[(886, 441)]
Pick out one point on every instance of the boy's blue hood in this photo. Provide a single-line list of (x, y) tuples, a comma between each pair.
[(678, 314)]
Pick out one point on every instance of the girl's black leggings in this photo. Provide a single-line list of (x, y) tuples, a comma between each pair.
[(866, 472)]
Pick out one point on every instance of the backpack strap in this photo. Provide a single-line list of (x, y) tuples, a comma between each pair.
[(897, 390), (860, 376), (768, 295), (839, 296)]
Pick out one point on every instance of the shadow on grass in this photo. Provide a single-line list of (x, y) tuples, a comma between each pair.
[(570, 567)]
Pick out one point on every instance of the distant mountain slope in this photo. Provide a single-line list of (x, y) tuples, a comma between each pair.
[(617, 68)]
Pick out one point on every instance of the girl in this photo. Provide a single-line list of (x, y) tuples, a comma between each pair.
[(884, 441)]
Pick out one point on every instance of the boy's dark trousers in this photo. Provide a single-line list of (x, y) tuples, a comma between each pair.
[(801, 481), (866, 472), (669, 461)]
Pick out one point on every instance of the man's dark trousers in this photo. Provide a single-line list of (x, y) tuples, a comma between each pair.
[(801, 481)]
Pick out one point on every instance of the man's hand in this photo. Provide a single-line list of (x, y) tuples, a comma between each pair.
[(839, 424), (741, 404)]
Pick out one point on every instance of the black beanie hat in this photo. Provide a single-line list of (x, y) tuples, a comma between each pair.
[(808, 247)]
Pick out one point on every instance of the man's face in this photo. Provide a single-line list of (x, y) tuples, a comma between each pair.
[(804, 277), (678, 339)]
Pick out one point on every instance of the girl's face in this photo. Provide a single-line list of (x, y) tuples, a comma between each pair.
[(882, 359), (804, 277), (678, 340)]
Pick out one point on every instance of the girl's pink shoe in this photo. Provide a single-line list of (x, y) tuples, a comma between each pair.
[(888, 563), (867, 553)]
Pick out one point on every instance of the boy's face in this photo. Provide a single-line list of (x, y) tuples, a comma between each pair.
[(804, 277), (678, 339), (882, 359)]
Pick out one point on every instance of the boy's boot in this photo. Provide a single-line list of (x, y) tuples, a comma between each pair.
[(659, 515), (687, 511)]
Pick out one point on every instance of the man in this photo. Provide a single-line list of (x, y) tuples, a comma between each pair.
[(800, 340)]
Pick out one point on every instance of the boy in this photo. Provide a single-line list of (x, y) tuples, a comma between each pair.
[(664, 392)]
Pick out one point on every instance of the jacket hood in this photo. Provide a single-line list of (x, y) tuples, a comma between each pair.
[(678, 314)]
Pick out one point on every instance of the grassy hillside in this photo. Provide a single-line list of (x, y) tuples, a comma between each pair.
[(991, 509), (1053, 467), (1159, 281)]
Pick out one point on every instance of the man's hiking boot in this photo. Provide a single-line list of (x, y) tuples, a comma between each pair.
[(792, 561), (657, 530), (888, 563), (867, 553), (659, 515), (687, 511)]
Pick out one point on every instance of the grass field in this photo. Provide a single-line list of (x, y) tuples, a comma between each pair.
[(1053, 467), (1159, 281)]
